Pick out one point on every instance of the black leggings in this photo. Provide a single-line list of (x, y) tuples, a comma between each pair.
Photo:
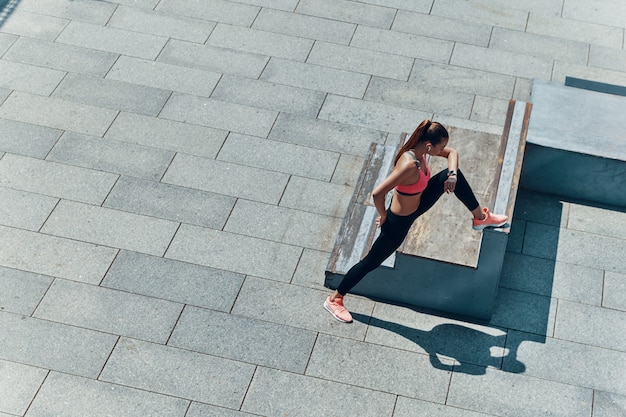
[(395, 228)]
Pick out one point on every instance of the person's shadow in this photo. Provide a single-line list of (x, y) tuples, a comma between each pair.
[(453, 347)]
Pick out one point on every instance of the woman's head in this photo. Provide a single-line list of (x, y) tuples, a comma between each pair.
[(431, 134)]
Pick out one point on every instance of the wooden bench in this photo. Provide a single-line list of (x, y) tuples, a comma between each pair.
[(443, 264)]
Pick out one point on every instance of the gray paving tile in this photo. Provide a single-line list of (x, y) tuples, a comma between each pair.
[(270, 387), (218, 114), (55, 346), (61, 57), (170, 202), (91, 12), (360, 60), (518, 395), (177, 372), (440, 27), (304, 26), (564, 69), (279, 156), (166, 134), (111, 156), (104, 226), (421, 6), (541, 208), (112, 94), (515, 242), (610, 223), (309, 271), (202, 410), (371, 115), (218, 10), (408, 407), (109, 310), (236, 253), (260, 42), (265, 300), (341, 360), (614, 291), (315, 77), (580, 366), (54, 179), (24, 210), (226, 178), (55, 113), (71, 396), (591, 250), (27, 139), (322, 134), (49, 255), (476, 12), (524, 311), (164, 76), (317, 196), (19, 384), (21, 291), (489, 110), (607, 405), (359, 13), (606, 13), (348, 170), (542, 240), (162, 24), (414, 96), (213, 59), (33, 25), (551, 8), (576, 30), (271, 96), (243, 339), (402, 43), (114, 40), (604, 57), (173, 280)]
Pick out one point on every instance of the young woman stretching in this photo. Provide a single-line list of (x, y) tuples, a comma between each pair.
[(416, 191)]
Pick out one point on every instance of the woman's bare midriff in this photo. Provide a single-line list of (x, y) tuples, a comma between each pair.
[(403, 205)]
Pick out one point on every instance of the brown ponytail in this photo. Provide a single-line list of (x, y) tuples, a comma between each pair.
[(426, 131)]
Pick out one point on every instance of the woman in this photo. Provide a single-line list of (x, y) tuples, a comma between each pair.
[(415, 192)]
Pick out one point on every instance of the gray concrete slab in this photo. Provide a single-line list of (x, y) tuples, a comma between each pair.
[(21, 291), (27, 139), (19, 384), (29, 78), (24, 210)]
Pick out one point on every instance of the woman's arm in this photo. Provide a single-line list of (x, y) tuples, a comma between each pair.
[(397, 176), (453, 165)]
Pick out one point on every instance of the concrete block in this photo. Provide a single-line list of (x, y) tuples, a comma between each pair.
[(179, 373), (321, 134), (112, 94), (591, 250), (214, 59), (524, 311), (592, 33), (114, 40), (72, 396), (361, 60), (174, 281), (21, 291), (260, 42), (226, 178), (415, 96), (413, 375), (27, 139), (523, 88), (33, 25), (586, 365), (605, 13), (111, 156), (110, 227), (370, 115), (279, 156), (267, 95), (270, 387), (502, 393), (56, 113), (167, 134), (24, 210), (304, 26), (218, 11), (606, 404), (110, 311), (19, 384), (54, 179), (243, 339), (316, 77), (319, 197), (55, 346), (54, 256), (218, 114), (481, 13), (408, 407), (164, 76), (402, 43), (170, 202), (502, 62), (614, 291), (62, 57), (441, 27), (162, 24), (236, 253), (97, 13), (474, 81), (345, 11)]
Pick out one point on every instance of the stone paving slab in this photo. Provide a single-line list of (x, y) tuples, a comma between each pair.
[(29, 78), (33, 25), (21, 291), (19, 384), (27, 139), (24, 210)]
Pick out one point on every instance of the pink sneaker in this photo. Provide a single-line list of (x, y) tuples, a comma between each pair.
[(337, 309), (490, 220)]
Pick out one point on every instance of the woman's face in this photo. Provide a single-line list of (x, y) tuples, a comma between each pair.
[(436, 149)]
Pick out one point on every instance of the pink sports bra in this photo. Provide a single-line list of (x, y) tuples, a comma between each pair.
[(420, 185)]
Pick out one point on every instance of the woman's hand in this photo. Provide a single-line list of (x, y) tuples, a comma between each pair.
[(380, 220), (450, 184)]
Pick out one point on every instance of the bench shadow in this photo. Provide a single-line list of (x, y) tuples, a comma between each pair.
[(7, 7)]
